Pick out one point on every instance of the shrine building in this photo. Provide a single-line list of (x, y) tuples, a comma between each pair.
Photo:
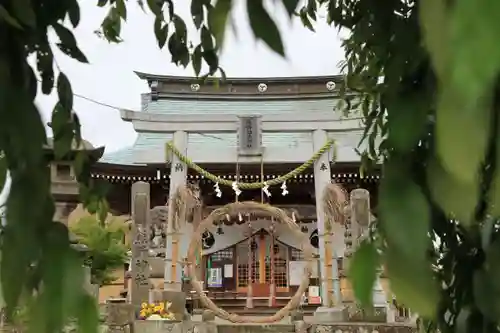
[(242, 130)]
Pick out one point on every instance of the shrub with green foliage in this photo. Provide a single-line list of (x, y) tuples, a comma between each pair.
[(106, 251)]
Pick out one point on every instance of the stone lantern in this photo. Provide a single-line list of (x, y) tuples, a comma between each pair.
[(64, 185)]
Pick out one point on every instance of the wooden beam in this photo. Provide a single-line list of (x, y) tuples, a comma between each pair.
[(223, 123), (228, 155)]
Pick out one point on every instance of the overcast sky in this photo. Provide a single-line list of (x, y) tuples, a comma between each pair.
[(109, 78)]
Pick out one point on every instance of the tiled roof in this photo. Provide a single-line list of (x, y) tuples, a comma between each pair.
[(147, 141)]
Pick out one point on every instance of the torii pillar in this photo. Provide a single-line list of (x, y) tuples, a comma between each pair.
[(331, 309), (173, 267)]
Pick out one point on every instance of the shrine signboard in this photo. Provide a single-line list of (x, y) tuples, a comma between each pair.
[(250, 135)]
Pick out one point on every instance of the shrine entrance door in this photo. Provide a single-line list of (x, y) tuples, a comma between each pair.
[(261, 267)]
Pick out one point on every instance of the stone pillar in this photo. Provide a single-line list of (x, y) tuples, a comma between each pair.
[(330, 310), (140, 269), (360, 223), (173, 268)]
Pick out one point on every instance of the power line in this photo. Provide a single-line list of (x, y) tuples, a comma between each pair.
[(101, 103), (120, 109)]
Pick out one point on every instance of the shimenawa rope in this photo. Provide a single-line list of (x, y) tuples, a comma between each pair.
[(170, 147)]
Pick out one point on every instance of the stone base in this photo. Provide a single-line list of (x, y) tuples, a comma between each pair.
[(177, 298), (330, 315)]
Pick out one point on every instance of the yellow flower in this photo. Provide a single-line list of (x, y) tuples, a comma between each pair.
[(144, 305)]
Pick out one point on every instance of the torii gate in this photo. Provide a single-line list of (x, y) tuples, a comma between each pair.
[(321, 125)]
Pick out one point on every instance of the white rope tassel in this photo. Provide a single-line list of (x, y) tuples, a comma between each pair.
[(236, 189), (218, 192), (265, 189), (293, 217), (284, 191), (240, 218)]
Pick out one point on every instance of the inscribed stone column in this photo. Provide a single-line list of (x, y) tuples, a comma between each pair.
[(173, 268), (328, 263), (360, 223), (140, 247)]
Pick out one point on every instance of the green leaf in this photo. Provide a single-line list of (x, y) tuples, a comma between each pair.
[(178, 50), (290, 6), (197, 12), (434, 23), (462, 321), (88, 315), (103, 211), (476, 60), (102, 3), (217, 20), (161, 32), (492, 263), (412, 282), (180, 28), (263, 26), (461, 152), (304, 18), (74, 13), (457, 198), (24, 12), (206, 39), (81, 166), (212, 61), (64, 92), (56, 245), (363, 272), (155, 8), (121, 9), (196, 60), (486, 294), (311, 9), (405, 215), (62, 129), (6, 17), (68, 43), (486, 231), (407, 118), (45, 60)]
